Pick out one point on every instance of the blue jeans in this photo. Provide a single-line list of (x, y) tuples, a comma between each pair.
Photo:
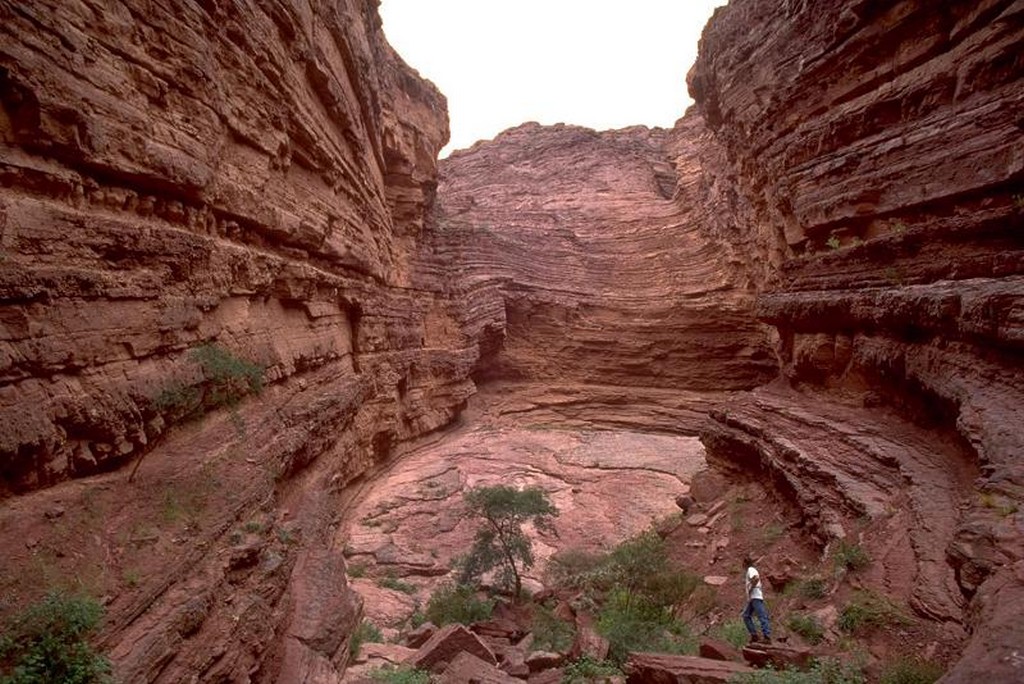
[(756, 606)]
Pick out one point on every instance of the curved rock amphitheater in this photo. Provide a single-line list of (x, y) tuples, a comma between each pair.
[(819, 271)]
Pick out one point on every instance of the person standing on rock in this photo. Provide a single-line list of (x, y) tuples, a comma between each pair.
[(755, 604)]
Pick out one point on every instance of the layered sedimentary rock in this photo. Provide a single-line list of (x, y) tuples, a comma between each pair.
[(590, 244), (237, 174), (878, 151), (198, 200)]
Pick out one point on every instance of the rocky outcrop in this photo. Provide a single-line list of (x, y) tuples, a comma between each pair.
[(199, 202), (591, 246), (877, 152), (241, 175)]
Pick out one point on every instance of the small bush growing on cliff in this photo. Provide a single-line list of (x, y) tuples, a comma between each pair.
[(850, 556), (733, 632), (48, 642), (366, 632), (400, 675), (833, 242), (911, 672), (587, 669), (227, 378), (453, 603), (867, 610), (807, 627), (500, 542)]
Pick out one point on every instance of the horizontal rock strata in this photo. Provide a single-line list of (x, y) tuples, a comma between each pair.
[(878, 154)]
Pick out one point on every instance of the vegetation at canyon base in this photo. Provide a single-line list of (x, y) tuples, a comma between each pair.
[(48, 642), (456, 603), (500, 543), (634, 589)]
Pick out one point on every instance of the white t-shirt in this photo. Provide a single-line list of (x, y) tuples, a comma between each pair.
[(753, 584)]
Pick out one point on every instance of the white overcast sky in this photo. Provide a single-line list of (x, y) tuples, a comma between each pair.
[(593, 63)]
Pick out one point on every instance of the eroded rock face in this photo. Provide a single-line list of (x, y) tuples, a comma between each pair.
[(242, 175), (247, 179), (877, 148), (594, 244)]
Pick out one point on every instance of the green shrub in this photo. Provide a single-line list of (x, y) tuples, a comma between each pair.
[(911, 671), (807, 627), (867, 610), (366, 632), (400, 675), (734, 632), (48, 642), (392, 582), (453, 603), (550, 633), (586, 669), (631, 622), (833, 242), (823, 671), (230, 377), (813, 588), (226, 379), (640, 565), (850, 556)]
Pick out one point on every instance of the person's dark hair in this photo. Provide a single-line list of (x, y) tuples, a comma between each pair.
[(748, 560)]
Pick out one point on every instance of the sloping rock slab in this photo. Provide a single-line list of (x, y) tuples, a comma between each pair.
[(466, 667), (442, 648), (778, 657), (716, 649), (660, 668)]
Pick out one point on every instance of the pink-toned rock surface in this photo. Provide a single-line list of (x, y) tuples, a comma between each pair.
[(249, 175), (841, 212), (592, 243), (411, 522), (660, 668), (879, 157)]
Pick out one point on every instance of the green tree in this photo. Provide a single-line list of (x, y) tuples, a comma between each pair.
[(500, 542)]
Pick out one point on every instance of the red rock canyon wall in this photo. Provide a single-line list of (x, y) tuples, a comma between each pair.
[(175, 175), (877, 147)]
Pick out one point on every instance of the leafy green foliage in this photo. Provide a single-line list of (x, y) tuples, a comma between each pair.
[(807, 627), (550, 633), (400, 675), (392, 582), (813, 588), (453, 603), (366, 632), (640, 565), (833, 242), (632, 622), (850, 556), (226, 379), (500, 542), (823, 671), (867, 610), (229, 376), (910, 671), (734, 632), (586, 669), (48, 643)]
